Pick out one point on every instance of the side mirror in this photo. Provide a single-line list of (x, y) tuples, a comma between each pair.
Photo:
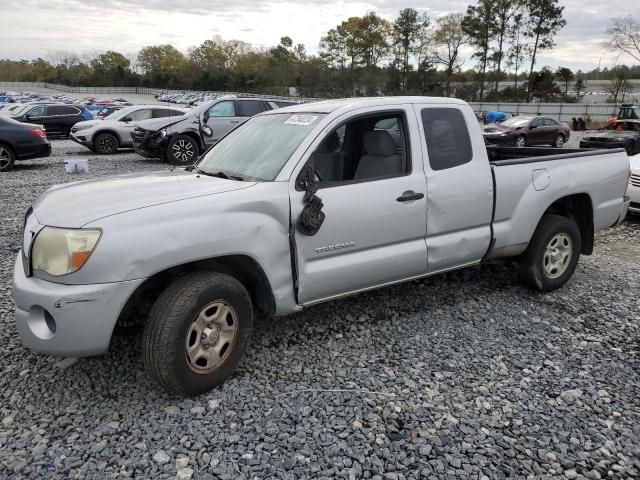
[(127, 119), (27, 116), (312, 216)]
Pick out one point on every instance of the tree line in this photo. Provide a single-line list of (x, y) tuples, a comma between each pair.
[(367, 55)]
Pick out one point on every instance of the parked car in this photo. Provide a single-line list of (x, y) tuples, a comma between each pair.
[(21, 142), (634, 185), (619, 134), (57, 118), (114, 132), (296, 207), (180, 141), (522, 131)]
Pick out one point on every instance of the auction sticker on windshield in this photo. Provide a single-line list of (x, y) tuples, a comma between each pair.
[(301, 119)]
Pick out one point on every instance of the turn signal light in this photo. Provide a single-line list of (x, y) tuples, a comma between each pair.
[(79, 258)]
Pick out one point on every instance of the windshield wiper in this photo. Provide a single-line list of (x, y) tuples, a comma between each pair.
[(219, 174)]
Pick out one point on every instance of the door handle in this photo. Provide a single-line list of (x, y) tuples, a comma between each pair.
[(234, 121), (410, 196)]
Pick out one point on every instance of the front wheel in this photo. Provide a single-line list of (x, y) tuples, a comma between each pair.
[(182, 150), (197, 332), (105, 144), (552, 254), (559, 141), (521, 141)]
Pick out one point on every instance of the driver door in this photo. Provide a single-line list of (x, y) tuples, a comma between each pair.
[(374, 205), (222, 118)]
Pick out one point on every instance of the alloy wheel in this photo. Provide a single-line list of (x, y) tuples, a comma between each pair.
[(183, 151), (559, 141), (5, 158)]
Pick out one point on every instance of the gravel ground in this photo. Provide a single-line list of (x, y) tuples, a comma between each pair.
[(465, 375)]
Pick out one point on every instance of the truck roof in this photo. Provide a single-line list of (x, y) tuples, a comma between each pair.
[(328, 106)]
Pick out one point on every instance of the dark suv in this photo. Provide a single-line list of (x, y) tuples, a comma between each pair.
[(181, 140), (56, 118)]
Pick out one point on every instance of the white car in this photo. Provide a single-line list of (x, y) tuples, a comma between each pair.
[(634, 184), (114, 131)]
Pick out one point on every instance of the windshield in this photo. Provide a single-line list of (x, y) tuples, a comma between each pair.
[(516, 122), (261, 147), (203, 107), (16, 112), (118, 114)]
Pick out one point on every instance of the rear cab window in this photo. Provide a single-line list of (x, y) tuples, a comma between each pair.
[(447, 137)]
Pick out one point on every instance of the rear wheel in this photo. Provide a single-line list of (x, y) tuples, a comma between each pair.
[(559, 141), (521, 141), (182, 150), (552, 254), (7, 158), (197, 332), (105, 144)]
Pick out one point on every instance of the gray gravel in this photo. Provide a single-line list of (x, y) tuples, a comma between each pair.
[(465, 375)]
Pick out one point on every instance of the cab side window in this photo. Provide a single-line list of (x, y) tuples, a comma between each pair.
[(39, 111), (447, 137), (142, 114), (222, 109), (249, 108), (363, 149)]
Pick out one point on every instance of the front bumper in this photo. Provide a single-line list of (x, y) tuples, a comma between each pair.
[(500, 139), (83, 140), (67, 320)]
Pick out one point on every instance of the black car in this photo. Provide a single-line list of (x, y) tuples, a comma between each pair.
[(181, 140), (619, 134), (57, 118), (522, 131), (20, 142)]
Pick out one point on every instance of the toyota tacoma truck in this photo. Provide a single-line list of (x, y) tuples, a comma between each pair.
[(299, 206)]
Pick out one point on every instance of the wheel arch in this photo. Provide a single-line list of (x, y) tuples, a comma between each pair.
[(242, 267), (579, 208)]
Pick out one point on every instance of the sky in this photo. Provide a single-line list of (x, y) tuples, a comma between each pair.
[(33, 28)]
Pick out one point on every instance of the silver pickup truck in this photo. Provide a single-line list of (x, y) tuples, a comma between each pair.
[(299, 206)]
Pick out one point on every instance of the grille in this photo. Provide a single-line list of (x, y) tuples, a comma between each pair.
[(140, 135), (635, 180)]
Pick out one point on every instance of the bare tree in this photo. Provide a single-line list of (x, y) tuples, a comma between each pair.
[(624, 36)]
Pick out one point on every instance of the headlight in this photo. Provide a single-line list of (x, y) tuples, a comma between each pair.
[(60, 251), (163, 133), (82, 127)]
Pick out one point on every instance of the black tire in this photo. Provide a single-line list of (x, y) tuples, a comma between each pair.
[(105, 144), (520, 138), (536, 269), (630, 147), (559, 141), (7, 158), (172, 323), (182, 150)]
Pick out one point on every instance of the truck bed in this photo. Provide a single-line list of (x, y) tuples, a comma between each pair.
[(499, 155), (527, 181)]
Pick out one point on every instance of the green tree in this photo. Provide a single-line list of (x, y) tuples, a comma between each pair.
[(406, 32), (163, 65), (110, 68), (505, 10), (566, 76), (542, 86), (480, 26), (448, 38), (543, 22)]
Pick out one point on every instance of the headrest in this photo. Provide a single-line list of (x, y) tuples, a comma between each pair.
[(379, 142), (329, 144)]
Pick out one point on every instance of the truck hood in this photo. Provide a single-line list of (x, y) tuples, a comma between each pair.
[(73, 205)]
